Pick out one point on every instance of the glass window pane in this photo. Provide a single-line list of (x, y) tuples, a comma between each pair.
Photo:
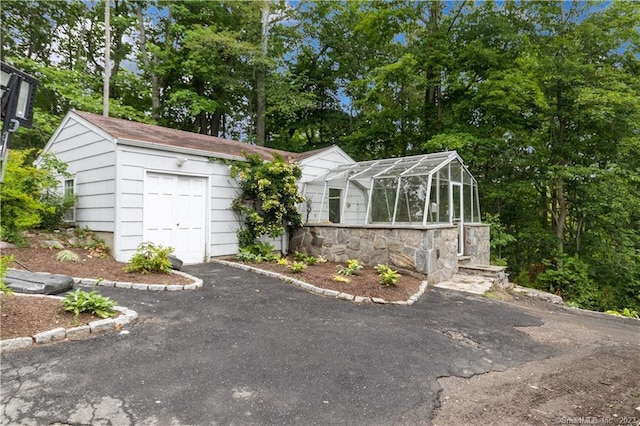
[(383, 200), (334, 205)]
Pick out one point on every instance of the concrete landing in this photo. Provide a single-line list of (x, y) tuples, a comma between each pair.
[(475, 284)]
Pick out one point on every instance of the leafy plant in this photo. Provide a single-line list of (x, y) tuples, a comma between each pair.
[(283, 261), (341, 279), (25, 192), (5, 263), (150, 258), (302, 257), (321, 259), (268, 199), (297, 267), (67, 256), (80, 301), (262, 250), (246, 255), (388, 276), (626, 312), (353, 266)]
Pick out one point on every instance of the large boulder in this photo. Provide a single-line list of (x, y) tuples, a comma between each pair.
[(37, 282)]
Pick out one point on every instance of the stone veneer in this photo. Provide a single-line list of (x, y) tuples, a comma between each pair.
[(431, 250), (476, 243), (428, 250)]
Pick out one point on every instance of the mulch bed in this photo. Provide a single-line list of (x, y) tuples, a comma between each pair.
[(364, 283), (24, 316), (89, 266)]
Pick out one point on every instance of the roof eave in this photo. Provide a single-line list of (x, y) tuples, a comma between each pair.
[(178, 149)]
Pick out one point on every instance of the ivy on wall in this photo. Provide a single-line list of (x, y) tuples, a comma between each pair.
[(268, 197)]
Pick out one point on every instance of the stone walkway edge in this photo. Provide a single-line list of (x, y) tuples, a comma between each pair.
[(323, 291), (90, 282), (61, 333)]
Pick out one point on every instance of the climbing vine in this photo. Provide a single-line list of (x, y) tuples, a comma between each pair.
[(268, 197)]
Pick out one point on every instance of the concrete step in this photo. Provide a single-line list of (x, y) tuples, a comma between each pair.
[(467, 283), (484, 270), (464, 260)]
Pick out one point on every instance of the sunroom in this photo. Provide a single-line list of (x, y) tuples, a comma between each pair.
[(431, 192)]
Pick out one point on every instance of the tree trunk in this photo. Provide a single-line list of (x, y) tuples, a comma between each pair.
[(261, 73), (155, 84)]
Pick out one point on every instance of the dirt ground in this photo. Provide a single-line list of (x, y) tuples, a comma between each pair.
[(595, 381)]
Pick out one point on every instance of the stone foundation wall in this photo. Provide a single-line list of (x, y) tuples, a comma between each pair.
[(476, 243), (430, 250)]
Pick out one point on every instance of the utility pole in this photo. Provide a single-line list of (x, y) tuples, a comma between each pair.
[(107, 58)]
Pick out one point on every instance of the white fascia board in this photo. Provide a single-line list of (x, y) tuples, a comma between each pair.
[(178, 149), (71, 115), (332, 148)]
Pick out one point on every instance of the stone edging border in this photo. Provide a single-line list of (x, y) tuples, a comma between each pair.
[(90, 282), (61, 333), (323, 291)]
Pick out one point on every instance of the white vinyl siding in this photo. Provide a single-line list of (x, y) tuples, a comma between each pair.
[(90, 158)]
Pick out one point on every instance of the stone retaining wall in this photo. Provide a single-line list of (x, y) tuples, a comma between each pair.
[(476, 243), (428, 250)]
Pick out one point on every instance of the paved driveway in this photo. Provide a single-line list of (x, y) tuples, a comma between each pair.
[(247, 349)]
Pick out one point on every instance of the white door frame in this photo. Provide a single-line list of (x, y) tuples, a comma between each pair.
[(460, 217)]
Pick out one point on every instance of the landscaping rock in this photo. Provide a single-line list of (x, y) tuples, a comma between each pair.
[(175, 262), (37, 282), (52, 244)]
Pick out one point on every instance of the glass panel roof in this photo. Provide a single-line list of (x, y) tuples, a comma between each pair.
[(390, 167)]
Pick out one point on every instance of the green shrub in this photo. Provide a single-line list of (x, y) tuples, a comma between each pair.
[(262, 250), (353, 266), (67, 256), (388, 276), (80, 301), (28, 194), (569, 278), (283, 261), (150, 258), (268, 198), (309, 260), (297, 267), (246, 255)]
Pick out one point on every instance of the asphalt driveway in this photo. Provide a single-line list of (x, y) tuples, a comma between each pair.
[(248, 349)]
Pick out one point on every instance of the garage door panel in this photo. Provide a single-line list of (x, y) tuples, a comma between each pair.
[(175, 214)]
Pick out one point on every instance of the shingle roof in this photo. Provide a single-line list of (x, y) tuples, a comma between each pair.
[(131, 130)]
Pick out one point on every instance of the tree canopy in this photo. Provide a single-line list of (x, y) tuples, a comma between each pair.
[(539, 97)]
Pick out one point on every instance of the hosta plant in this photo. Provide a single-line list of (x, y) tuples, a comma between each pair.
[(297, 267), (80, 301), (388, 276), (353, 266)]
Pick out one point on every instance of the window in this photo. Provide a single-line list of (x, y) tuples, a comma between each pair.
[(334, 205), (70, 196)]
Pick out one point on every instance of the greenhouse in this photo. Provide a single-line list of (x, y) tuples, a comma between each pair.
[(419, 190)]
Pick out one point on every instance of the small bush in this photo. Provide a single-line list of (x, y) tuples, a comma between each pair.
[(150, 258), (67, 256), (80, 301), (283, 261), (297, 267), (351, 268), (388, 276), (262, 251), (245, 255)]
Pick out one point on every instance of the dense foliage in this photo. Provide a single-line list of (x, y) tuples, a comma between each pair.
[(29, 195), (268, 198), (539, 97)]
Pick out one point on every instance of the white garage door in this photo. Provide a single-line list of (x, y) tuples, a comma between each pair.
[(175, 214)]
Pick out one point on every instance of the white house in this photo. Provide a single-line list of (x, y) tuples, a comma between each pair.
[(137, 182)]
